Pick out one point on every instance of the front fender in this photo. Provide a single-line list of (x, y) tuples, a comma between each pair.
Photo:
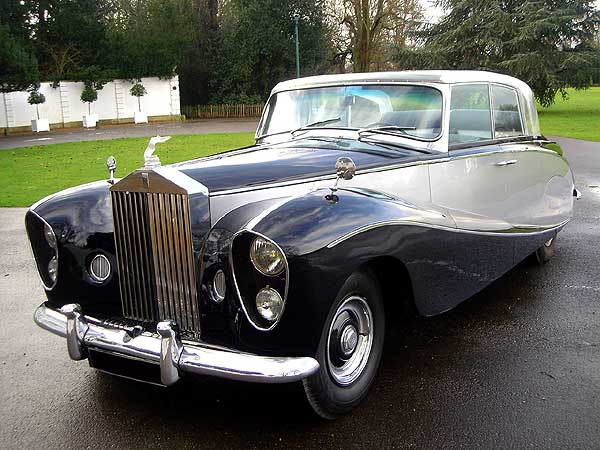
[(302, 225), (81, 218), (310, 228)]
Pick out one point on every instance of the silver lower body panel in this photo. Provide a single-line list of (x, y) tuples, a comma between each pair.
[(167, 350)]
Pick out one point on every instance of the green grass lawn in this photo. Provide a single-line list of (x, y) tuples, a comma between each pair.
[(30, 173), (577, 117)]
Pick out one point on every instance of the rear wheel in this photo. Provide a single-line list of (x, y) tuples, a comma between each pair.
[(546, 251), (349, 349)]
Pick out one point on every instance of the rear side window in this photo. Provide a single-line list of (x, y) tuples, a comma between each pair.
[(470, 118), (507, 120)]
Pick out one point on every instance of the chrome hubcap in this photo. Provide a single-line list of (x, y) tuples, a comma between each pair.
[(350, 340), (548, 243)]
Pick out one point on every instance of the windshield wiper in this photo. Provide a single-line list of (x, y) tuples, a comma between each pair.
[(393, 145), (391, 130), (316, 124)]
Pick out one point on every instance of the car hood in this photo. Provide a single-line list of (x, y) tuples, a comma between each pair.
[(261, 165)]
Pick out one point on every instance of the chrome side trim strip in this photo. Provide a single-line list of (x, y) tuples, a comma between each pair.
[(171, 353), (434, 160), (507, 233)]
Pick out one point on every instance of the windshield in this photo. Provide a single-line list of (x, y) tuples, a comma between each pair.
[(416, 109)]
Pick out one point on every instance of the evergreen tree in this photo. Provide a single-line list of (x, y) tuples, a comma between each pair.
[(197, 69), (70, 38), (546, 43), (259, 46), (18, 64)]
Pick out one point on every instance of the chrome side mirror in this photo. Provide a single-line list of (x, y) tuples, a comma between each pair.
[(345, 170), (111, 166)]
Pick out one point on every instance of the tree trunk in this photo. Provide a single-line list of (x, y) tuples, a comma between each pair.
[(37, 110), (139, 105)]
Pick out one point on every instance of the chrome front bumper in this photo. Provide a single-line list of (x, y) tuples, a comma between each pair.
[(169, 351)]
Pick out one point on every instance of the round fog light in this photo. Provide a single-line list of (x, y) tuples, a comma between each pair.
[(53, 269), (219, 287), (269, 304)]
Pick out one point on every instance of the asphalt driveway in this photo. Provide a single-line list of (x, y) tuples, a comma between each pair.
[(516, 366), (126, 131)]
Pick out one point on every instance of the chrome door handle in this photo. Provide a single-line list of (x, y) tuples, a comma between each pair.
[(510, 162)]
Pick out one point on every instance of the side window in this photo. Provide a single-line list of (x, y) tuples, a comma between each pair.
[(470, 118), (507, 121)]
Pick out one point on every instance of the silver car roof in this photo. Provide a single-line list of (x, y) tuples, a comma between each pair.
[(420, 76)]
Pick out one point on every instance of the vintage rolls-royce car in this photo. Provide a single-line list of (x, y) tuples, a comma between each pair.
[(364, 195)]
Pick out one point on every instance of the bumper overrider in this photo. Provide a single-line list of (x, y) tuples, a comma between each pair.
[(167, 350)]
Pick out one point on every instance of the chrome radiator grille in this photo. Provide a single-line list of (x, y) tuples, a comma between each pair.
[(155, 257)]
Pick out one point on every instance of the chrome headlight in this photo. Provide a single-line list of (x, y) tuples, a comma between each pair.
[(266, 256), (269, 304), (53, 263), (50, 236), (44, 244)]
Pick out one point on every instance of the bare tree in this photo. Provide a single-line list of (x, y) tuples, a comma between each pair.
[(366, 30)]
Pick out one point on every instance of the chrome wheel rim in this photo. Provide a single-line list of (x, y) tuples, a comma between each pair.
[(548, 243), (350, 340)]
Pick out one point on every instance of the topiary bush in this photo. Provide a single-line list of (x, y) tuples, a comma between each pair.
[(89, 94), (36, 98), (138, 90)]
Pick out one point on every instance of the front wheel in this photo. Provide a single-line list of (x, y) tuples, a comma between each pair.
[(349, 349)]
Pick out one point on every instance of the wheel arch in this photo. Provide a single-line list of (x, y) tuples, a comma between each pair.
[(395, 283)]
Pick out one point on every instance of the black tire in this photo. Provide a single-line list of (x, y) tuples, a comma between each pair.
[(328, 398), (546, 251)]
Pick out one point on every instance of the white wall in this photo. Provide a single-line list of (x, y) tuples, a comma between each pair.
[(64, 106)]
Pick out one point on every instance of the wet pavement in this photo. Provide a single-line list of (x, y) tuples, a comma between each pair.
[(516, 366)]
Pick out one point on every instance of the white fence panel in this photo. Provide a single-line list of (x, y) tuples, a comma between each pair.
[(63, 106)]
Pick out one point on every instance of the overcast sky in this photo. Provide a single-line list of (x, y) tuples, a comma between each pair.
[(432, 14)]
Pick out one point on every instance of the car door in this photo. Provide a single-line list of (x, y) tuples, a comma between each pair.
[(538, 182), (469, 183)]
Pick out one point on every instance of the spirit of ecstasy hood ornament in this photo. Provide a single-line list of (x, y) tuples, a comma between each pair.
[(150, 159)]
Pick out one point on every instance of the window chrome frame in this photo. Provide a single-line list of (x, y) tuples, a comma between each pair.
[(437, 86), (494, 140), (519, 110)]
